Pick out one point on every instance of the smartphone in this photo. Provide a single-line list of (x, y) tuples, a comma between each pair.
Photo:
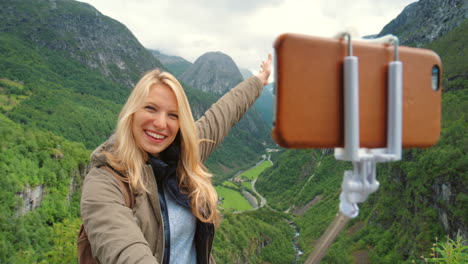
[(309, 93)]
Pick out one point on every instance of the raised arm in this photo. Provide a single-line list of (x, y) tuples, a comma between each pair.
[(229, 109)]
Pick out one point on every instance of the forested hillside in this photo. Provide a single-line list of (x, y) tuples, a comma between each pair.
[(78, 31), (39, 205), (262, 236), (62, 96)]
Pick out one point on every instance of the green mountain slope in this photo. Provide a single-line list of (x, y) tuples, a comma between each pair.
[(259, 236), (77, 30), (174, 64), (264, 104), (65, 97), (36, 161), (453, 50)]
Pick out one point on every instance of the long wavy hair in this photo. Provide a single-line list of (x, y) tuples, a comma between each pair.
[(129, 158)]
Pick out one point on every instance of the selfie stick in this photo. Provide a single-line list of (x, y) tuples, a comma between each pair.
[(361, 181)]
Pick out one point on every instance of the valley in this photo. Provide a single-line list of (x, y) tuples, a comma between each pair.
[(244, 183), (66, 70)]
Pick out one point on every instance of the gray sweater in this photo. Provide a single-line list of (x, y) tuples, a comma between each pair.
[(182, 225)]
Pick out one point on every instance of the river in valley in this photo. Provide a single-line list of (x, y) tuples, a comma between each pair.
[(295, 243)]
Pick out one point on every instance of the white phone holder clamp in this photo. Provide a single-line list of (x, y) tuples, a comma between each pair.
[(359, 183)]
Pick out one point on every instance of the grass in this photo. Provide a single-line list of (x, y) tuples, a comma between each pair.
[(248, 187), (253, 173), (232, 200), (230, 185)]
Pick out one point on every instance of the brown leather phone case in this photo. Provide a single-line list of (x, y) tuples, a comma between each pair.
[(309, 93)]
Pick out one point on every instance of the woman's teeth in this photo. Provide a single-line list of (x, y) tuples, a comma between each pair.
[(156, 136)]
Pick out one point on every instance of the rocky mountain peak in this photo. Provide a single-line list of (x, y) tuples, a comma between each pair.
[(426, 20), (213, 72)]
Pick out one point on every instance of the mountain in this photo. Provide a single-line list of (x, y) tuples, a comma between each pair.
[(78, 65), (79, 31), (245, 73), (265, 104), (213, 72), (175, 64), (426, 20)]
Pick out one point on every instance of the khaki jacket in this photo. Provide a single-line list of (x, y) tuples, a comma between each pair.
[(118, 234)]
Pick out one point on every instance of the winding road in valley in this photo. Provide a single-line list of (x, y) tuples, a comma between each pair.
[(250, 197), (263, 201)]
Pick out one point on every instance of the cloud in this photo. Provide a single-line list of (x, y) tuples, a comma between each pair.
[(243, 29), (224, 7)]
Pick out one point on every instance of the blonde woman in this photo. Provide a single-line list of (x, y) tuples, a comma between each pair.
[(159, 150)]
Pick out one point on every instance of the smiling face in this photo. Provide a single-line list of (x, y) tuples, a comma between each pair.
[(156, 123)]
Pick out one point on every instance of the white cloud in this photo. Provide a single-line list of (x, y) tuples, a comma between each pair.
[(243, 29)]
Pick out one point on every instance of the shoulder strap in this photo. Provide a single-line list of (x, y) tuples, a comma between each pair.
[(127, 191)]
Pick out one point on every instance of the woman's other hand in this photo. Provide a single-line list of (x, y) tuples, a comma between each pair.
[(265, 70)]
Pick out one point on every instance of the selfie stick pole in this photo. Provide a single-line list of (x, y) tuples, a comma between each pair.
[(361, 181)]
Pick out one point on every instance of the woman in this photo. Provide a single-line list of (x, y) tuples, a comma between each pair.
[(159, 150)]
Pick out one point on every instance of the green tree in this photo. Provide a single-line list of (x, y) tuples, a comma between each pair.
[(64, 237)]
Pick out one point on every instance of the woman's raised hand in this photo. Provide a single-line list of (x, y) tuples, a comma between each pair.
[(265, 70)]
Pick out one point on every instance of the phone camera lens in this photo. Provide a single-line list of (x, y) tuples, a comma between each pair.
[(435, 78)]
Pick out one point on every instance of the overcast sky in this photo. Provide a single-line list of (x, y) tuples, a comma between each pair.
[(243, 29)]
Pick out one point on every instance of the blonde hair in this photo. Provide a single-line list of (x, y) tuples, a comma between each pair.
[(129, 157)]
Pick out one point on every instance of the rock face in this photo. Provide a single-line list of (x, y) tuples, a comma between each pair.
[(424, 21), (32, 199), (445, 197), (78, 30), (213, 72)]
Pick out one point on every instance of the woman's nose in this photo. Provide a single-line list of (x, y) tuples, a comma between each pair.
[(160, 121)]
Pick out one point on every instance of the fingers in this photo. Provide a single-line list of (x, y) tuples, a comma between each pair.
[(265, 69), (266, 64), (269, 59)]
